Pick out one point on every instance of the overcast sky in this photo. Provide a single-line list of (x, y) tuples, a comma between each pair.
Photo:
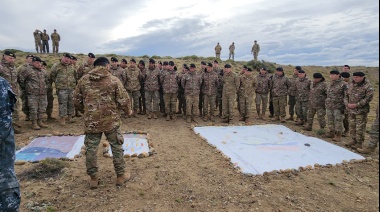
[(297, 32)]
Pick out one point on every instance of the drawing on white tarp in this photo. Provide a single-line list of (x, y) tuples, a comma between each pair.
[(134, 144)]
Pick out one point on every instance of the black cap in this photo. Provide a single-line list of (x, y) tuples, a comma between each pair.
[(245, 67), (345, 75), (264, 68), (184, 65), (166, 63), (347, 66), (132, 60), (280, 69), (227, 66), (159, 62), (142, 62), (44, 63), (151, 60), (73, 57), (124, 60), (301, 71), (209, 64), (36, 59), (101, 61), (317, 75), (91, 55), (114, 59), (171, 63), (298, 68), (203, 63), (249, 69), (215, 61), (9, 53), (192, 65), (358, 74), (336, 72), (67, 55), (29, 55)]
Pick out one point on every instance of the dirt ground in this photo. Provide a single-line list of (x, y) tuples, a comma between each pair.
[(187, 174)]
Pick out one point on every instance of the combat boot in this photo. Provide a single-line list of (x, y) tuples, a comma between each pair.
[(226, 120), (49, 117), (330, 134), (205, 118), (308, 128), (62, 121), (366, 149), (167, 117), (283, 120), (121, 179), (242, 119), (188, 119), (263, 117), (276, 118), (291, 118), (357, 146), (149, 116), (134, 113), (155, 115), (248, 120), (70, 119), (271, 115), (41, 124), (299, 123), (212, 118), (338, 137), (35, 125), (17, 128), (94, 182), (345, 133)]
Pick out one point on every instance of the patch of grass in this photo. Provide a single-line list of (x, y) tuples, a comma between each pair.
[(321, 132), (48, 168)]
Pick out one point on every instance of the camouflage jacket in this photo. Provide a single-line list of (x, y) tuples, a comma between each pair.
[(230, 83), (318, 95), (170, 81), (218, 48), (152, 78), (247, 86), (181, 77), (21, 71), (8, 178), (192, 82), (63, 76), (55, 36), (133, 76), (49, 85), (45, 37), (100, 96), (279, 85), (303, 89), (120, 74), (255, 48), (232, 48), (335, 95), (34, 81), (263, 82), (83, 70), (210, 83), (360, 94), (9, 73), (37, 37), (292, 85)]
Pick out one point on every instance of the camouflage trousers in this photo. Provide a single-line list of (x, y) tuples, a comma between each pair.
[(16, 113), (65, 101), (279, 106), (181, 101), (374, 133), (37, 106), (134, 96), (10, 200), (358, 123), (346, 123), (218, 101), (335, 120), (255, 54), (292, 105), (321, 113), (208, 104), (217, 55), (200, 102), (170, 100), (192, 103), (261, 100), (55, 46), (246, 106), (24, 101), (45, 46), (38, 45), (228, 101), (116, 140), (152, 99), (302, 107), (142, 100), (50, 100)]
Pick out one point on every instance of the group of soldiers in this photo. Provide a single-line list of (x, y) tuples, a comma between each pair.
[(255, 51), (41, 41)]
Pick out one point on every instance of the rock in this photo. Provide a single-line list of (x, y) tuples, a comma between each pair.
[(146, 154), (369, 159), (20, 162), (141, 155), (127, 156), (309, 167), (49, 135), (329, 165), (287, 170), (345, 162), (265, 173), (317, 165), (152, 150), (134, 155), (107, 155)]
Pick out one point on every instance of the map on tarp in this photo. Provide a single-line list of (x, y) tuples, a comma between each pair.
[(134, 143), (264, 148), (51, 147)]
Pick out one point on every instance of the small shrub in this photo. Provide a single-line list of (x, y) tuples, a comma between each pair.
[(48, 168)]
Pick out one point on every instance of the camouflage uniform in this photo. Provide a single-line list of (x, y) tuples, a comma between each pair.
[(55, 38), (21, 70), (142, 99), (360, 94), (191, 82), (37, 41), (181, 95), (45, 42), (161, 91), (49, 95), (100, 96), (209, 88), (83, 70), (317, 98), (292, 95), (335, 105), (279, 89), (246, 92), (9, 186), (219, 91), (63, 77), (232, 51), (133, 86), (9, 73), (255, 50), (152, 87), (169, 81), (218, 49), (230, 88), (262, 90), (119, 73), (302, 97), (374, 132)]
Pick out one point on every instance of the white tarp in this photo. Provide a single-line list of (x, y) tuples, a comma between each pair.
[(264, 148), (134, 144)]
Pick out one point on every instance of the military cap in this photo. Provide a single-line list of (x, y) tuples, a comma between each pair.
[(67, 55), (263, 68), (255, 40), (91, 55), (209, 64), (132, 60), (101, 61), (301, 71), (73, 57), (280, 69), (215, 61), (249, 69), (166, 63), (142, 62), (358, 74), (171, 63), (124, 60), (245, 67), (36, 59), (114, 59), (227, 66), (317, 75), (9, 53), (44, 63), (347, 66), (345, 75), (192, 65), (184, 65), (187, 68), (29, 55), (298, 68), (159, 62), (336, 72), (151, 60), (55, 30), (203, 63)]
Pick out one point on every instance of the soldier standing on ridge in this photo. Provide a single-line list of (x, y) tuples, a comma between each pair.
[(45, 42), (255, 50), (232, 51), (55, 38), (37, 40), (218, 49)]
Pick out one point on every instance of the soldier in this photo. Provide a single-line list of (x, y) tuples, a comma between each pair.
[(49, 93), (117, 71), (218, 49), (64, 77), (241, 73), (123, 64), (279, 87), (230, 88), (152, 87), (292, 93), (8, 72), (55, 38), (317, 98), (181, 91), (191, 83), (37, 40), (218, 98), (133, 76), (73, 62), (45, 42), (255, 50), (34, 82), (210, 83), (100, 96), (373, 136), (302, 96), (9, 186), (142, 106), (86, 66), (200, 103), (232, 51), (262, 90), (21, 71), (335, 106), (169, 81), (346, 78), (358, 96), (246, 91), (162, 72)]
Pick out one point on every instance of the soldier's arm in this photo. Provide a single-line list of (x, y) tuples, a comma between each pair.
[(122, 98), (346, 99), (21, 78), (53, 73), (367, 99), (78, 97)]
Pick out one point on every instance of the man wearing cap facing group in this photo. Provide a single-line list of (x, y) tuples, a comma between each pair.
[(218, 49), (45, 41), (152, 89), (85, 67), (100, 96), (55, 38), (230, 89)]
